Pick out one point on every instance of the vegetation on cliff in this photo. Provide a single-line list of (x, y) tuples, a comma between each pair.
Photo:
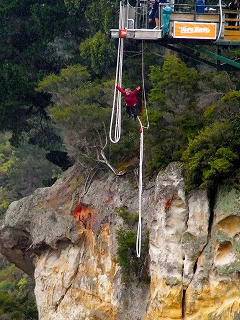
[(132, 269), (16, 293)]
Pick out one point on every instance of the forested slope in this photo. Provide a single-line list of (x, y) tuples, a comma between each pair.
[(57, 76)]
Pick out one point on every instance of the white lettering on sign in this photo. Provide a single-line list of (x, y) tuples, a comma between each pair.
[(194, 30)]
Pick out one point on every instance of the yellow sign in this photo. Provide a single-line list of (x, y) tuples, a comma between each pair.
[(194, 30)]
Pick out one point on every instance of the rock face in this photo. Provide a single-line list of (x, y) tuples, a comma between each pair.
[(65, 236)]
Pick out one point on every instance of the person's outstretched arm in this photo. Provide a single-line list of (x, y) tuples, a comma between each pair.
[(120, 89), (136, 90)]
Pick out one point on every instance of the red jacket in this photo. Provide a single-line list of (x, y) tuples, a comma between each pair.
[(131, 99)]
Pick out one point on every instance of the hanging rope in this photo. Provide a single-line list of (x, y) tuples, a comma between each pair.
[(139, 229), (116, 108), (116, 114), (144, 103)]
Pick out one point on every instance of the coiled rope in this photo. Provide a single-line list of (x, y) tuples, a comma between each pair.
[(116, 108)]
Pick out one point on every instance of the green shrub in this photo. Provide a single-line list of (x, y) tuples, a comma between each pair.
[(133, 268), (17, 315), (213, 155), (130, 218), (6, 286), (17, 300)]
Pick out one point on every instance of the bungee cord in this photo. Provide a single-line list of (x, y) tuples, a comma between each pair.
[(143, 91), (139, 229)]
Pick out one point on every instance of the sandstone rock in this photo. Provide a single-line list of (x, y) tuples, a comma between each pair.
[(65, 236)]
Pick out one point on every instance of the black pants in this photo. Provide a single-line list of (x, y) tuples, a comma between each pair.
[(131, 111)]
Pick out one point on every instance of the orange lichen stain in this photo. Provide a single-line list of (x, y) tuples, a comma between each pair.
[(84, 214), (169, 202)]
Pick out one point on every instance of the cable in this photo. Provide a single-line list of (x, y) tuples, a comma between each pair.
[(143, 89), (139, 229)]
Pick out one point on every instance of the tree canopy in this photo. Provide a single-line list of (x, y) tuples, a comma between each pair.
[(57, 80)]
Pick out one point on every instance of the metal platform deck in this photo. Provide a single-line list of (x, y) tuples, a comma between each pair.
[(214, 27), (139, 34)]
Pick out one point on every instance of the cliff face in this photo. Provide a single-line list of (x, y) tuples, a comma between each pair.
[(65, 236)]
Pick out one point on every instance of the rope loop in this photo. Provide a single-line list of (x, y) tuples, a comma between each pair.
[(116, 108)]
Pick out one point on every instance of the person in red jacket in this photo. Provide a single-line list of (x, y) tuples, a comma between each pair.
[(130, 98)]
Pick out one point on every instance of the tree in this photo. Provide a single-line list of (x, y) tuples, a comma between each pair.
[(37, 37), (20, 175), (213, 155), (99, 53), (174, 112), (79, 109), (17, 300), (183, 102)]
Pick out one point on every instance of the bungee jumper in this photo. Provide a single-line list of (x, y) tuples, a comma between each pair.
[(131, 101), (130, 98)]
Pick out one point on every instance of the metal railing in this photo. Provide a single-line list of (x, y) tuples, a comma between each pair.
[(138, 17)]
